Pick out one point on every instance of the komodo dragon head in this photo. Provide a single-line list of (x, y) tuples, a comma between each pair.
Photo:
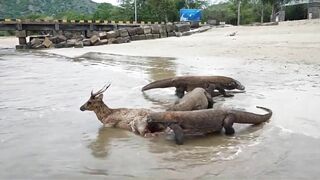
[(234, 85)]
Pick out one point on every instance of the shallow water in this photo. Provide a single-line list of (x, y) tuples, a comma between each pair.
[(44, 135)]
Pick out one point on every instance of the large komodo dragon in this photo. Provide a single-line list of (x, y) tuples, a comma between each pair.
[(134, 120), (201, 122), (188, 83), (196, 99)]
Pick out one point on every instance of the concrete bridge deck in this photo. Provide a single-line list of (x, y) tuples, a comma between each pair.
[(64, 25)]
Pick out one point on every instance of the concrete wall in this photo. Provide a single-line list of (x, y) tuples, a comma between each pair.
[(314, 10)]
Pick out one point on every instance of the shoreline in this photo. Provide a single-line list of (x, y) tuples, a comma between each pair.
[(291, 41)]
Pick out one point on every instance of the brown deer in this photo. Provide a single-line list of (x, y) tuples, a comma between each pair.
[(134, 120)]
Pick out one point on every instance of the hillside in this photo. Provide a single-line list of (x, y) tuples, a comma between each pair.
[(20, 8)]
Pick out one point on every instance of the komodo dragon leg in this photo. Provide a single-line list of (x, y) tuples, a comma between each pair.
[(210, 100), (223, 92), (227, 124), (180, 91), (178, 133), (212, 87)]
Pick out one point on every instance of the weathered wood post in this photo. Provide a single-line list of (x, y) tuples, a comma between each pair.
[(21, 35), (239, 8)]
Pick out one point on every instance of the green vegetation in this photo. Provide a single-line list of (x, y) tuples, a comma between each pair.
[(22, 8), (7, 33), (297, 12), (148, 10)]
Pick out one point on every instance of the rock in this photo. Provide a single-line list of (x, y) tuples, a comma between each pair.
[(113, 34), (94, 39), (195, 24), (75, 35), (119, 40), (47, 43), (138, 37), (127, 39), (149, 36), (146, 29), (58, 39), (123, 32), (169, 27), (41, 37), (187, 33), (89, 33), (139, 30), (155, 36), (78, 36), (35, 43), (142, 37), (163, 28), (101, 42), (171, 34), (111, 40), (182, 27), (134, 38), (41, 46), (86, 42), (71, 42), (132, 31), (21, 46), (204, 28), (163, 35), (78, 44), (155, 29), (68, 34), (102, 35), (61, 45), (233, 34), (178, 34)]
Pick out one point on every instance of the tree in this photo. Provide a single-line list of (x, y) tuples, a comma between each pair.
[(104, 11), (73, 15), (225, 12), (152, 10), (197, 4)]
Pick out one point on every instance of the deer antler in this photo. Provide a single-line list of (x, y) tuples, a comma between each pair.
[(102, 90)]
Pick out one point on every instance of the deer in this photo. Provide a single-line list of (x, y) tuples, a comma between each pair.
[(134, 120)]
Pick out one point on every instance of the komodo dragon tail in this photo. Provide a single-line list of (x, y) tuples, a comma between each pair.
[(252, 118), (164, 83)]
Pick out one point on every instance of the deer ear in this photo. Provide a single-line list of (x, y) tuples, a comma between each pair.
[(100, 97)]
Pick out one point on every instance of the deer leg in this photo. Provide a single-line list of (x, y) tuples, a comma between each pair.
[(178, 133), (227, 124), (180, 92)]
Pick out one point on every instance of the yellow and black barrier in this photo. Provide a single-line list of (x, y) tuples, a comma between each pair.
[(81, 21)]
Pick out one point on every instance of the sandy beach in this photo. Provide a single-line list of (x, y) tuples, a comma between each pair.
[(289, 41)]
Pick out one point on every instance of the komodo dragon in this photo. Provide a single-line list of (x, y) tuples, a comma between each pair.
[(201, 122), (196, 99), (188, 83)]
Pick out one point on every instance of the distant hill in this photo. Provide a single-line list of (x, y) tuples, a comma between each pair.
[(20, 8)]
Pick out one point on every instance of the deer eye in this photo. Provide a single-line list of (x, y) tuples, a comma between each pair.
[(89, 103)]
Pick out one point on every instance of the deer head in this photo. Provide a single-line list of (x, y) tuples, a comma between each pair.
[(95, 100)]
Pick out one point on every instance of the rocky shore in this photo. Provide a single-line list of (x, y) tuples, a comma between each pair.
[(79, 39)]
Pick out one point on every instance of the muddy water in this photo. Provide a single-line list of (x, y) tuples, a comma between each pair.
[(44, 135)]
